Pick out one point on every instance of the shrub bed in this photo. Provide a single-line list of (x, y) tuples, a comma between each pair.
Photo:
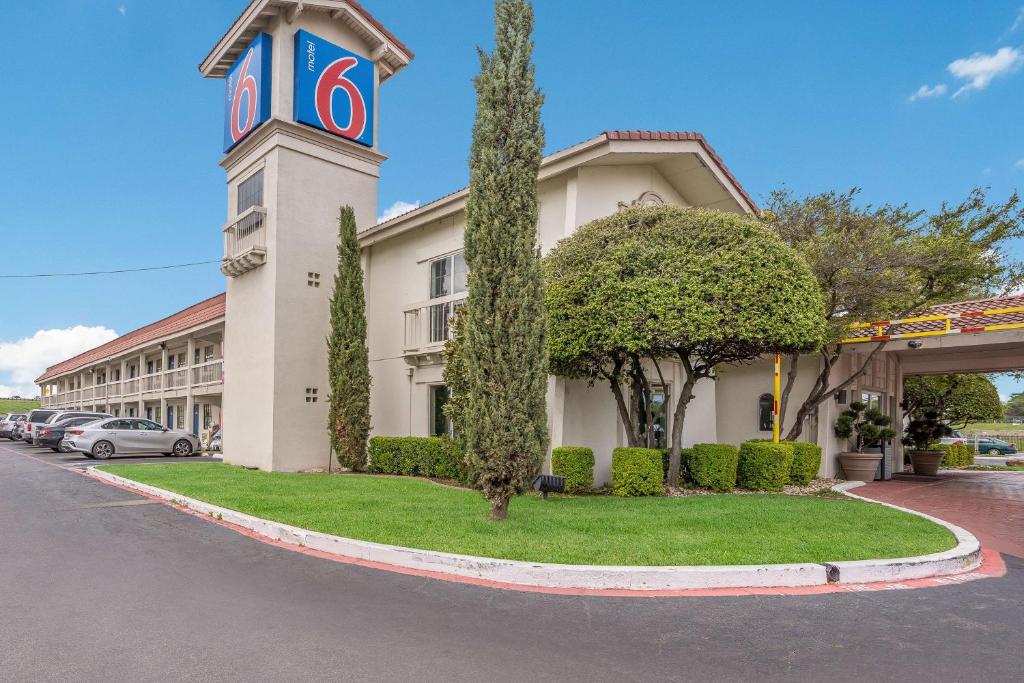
[(417, 456), (684, 456), (956, 455), (764, 466), (576, 464), (806, 462), (713, 466), (637, 472)]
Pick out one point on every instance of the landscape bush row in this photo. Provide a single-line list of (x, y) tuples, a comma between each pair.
[(755, 465)]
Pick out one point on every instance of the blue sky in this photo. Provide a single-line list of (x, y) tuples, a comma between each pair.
[(111, 138)]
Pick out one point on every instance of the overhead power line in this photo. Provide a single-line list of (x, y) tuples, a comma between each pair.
[(111, 272)]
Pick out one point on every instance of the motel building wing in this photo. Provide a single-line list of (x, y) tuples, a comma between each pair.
[(304, 83)]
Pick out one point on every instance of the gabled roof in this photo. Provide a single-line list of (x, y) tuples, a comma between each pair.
[(193, 316), (560, 161), (394, 54)]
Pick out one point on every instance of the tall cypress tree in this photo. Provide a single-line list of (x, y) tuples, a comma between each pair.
[(347, 357), (503, 357)]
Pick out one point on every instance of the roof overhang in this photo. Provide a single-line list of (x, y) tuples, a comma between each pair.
[(685, 159), (390, 53)]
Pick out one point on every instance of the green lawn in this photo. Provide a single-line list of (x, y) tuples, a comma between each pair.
[(737, 529), (21, 405), (993, 428)]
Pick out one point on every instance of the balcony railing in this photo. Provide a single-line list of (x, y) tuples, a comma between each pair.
[(176, 379), (245, 242), (428, 324), (152, 382), (131, 386), (114, 389), (210, 372)]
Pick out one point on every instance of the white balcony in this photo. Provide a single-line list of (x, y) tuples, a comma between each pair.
[(152, 382), (131, 386), (176, 379), (245, 242), (210, 372), (428, 326)]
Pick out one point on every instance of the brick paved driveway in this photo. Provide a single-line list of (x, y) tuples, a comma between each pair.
[(988, 504)]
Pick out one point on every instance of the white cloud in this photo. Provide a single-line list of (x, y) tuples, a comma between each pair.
[(122, 9), (1018, 22), (25, 359), (1019, 165), (925, 91), (397, 209), (979, 69)]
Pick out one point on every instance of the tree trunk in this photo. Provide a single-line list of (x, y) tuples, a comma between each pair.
[(499, 507), (623, 409), (678, 416), (822, 391), (794, 361)]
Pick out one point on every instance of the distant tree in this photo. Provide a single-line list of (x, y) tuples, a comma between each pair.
[(504, 412), (704, 288), (347, 357), (888, 262), (1015, 405), (959, 399)]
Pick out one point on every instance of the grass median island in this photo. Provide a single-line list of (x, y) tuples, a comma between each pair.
[(604, 530)]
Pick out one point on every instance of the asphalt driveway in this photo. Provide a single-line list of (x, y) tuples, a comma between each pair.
[(99, 584)]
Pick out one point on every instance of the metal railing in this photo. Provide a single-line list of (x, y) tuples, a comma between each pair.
[(428, 325), (247, 233), (176, 379)]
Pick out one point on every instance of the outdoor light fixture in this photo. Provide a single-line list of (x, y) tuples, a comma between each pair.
[(915, 343), (549, 483)]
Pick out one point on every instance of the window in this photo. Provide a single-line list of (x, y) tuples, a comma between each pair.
[(196, 356), (146, 425), (181, 359), (170, 362), (250, 194), (440, 320), (131, 371), (871, 399), (448, 276), (440, 425), (659, 410), (149, 412), (180, 415), (766, 412), (149, 367), (117, 374), (156, 414), (207, 416), (208, 353)]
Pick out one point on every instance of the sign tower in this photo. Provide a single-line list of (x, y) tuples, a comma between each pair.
[(300, 140)]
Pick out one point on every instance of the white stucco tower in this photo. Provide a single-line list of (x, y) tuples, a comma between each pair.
[(300, 140)]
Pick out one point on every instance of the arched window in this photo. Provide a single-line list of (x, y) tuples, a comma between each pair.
[(765, 412)]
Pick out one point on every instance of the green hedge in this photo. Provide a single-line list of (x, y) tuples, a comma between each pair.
[(956, 455), (576, 464), (713, 466), (637, 472), (417, 456), (764, 466), (806, 462)]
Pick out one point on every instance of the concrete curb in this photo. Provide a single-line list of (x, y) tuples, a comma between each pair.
[(964, 557), (564, 576)]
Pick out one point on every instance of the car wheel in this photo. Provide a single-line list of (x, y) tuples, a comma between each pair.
[(994, 451), (182, 448), (64, 448), (54, 449), (101, 450)]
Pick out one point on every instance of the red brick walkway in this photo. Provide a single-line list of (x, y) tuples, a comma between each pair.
[(988, 504)]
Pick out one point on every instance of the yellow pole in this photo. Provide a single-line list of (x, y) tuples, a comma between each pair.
[(778, 397)]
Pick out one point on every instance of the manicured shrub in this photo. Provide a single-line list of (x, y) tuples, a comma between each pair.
[(576, 464), (713, 466), (956, 455), (416, 456), (637, 472), (806, 462), (764, 466)]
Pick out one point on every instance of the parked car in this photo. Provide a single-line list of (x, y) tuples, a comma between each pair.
[(8, 423), (18, 433), (988, 445), (64, 415), (36, 418), (52, 435), (956, 438), (121, 436)]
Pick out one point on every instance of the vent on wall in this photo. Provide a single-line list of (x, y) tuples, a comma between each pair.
[(313, 279), (311, 395)]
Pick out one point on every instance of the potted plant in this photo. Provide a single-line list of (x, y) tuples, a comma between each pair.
[(922, 432), (869, 428)]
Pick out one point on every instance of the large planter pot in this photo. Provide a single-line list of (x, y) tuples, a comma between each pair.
[(859, 466), (926, 462)]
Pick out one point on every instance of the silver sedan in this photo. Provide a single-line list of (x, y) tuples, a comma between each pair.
[(125, 435)]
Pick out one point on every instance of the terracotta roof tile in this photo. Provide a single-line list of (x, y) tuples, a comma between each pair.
[(194, 315)]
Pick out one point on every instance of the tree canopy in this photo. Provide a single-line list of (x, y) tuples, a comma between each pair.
[(888, 262), (1015, 405), (698, 286), (958, 398)]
